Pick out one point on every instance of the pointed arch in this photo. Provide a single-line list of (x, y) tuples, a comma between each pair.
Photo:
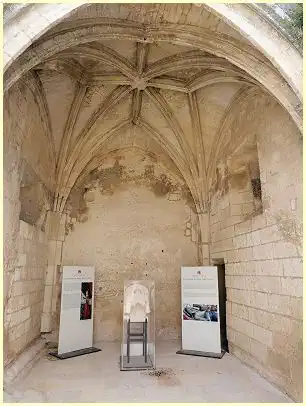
[(242, 55)]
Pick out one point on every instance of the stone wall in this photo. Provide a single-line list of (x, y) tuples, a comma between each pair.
[(133, 216), (132, 226), (12, 135), (25, 304), (23, 157), (263, 255)]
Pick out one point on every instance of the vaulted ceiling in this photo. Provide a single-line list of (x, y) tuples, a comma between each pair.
[(97, 78)]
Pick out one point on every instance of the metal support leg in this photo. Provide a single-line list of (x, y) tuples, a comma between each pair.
[(128, 341), (140, 336), (145, 341)]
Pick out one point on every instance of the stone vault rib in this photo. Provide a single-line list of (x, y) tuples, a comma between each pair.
[(242, 95), (85, 158), (167, 113), (59, 64), (136, 105), (211, 78), (75, 108), (33, 81), (186, 61), (239, 54), (89, 132), (173, 153), (168, 83), (200, 156), (141, 60), (103, 54)]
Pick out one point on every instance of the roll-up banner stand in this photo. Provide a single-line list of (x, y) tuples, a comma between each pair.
[(77, 312), (200, 312)]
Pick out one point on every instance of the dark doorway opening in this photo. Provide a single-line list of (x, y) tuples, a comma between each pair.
[(222, 304)]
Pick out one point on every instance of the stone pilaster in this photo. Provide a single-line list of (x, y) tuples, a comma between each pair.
[(204, 253), (55, 229)]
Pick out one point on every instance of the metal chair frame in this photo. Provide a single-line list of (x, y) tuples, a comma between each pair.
[(141, 336)]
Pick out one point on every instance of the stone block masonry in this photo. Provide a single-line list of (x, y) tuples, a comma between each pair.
[(193, 163), (26, 301), (264, 266)]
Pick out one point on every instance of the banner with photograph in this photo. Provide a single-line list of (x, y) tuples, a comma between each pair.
[(200, 309), (76, 319)]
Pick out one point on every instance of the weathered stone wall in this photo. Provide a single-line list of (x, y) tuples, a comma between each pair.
[(12, 136), (25, 303), (23, 156), (130, 213), (132, 224), (263, 254)]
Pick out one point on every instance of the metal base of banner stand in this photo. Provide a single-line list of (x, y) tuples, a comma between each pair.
[(136, 363), (77, 353), (202, 354)]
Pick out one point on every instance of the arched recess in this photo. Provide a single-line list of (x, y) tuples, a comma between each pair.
[(87, 138), (100, 150), (279, 84), (71, 159), (136, 226), (100, 144), (227, 139)]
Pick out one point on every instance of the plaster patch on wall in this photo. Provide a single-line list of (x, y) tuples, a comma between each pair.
[(118, 171), (133, 234), (238, 180), (35, 198), (291, 231)]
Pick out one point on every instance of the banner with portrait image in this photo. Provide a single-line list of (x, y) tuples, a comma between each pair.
[(200, 309), (76, 319)]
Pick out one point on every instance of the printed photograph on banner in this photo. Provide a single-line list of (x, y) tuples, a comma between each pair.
[(86, 300), (200, 312)]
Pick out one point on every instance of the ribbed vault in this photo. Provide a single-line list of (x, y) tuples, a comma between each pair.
[(114, 74)]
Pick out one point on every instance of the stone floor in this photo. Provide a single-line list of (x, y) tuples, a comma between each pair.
[(97, 378)]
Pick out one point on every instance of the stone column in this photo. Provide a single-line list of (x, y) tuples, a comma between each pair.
[(55, 229), (204, 252)]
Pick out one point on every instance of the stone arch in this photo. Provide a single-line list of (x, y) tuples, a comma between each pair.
[(263, 36), (110, 152), (285, 58), (98, 146)]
